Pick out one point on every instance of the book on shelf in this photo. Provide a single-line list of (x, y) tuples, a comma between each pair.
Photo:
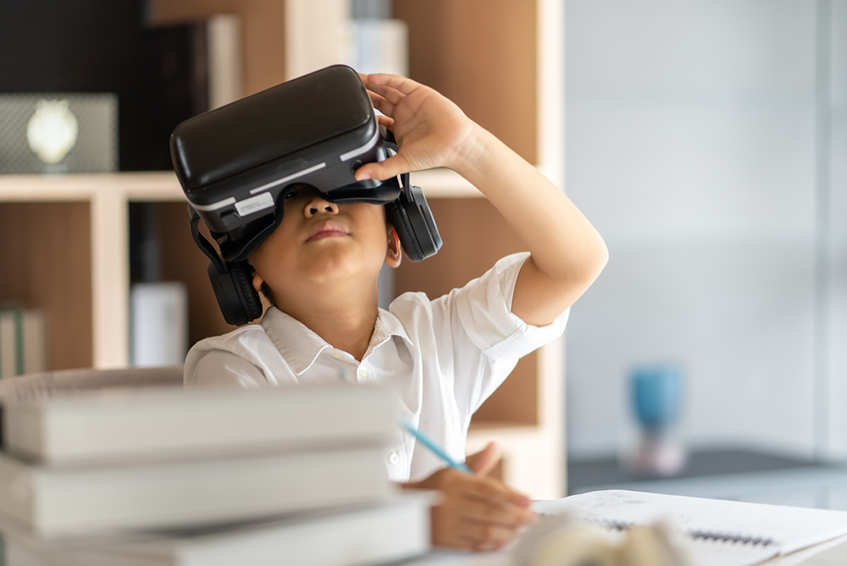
[(368, 534), (114, 426), (23, 341), (377, 45), (718, 532), (185, 68), (158, 324), (78, 501)]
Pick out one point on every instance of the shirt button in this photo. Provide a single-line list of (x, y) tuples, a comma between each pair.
[(337, 355), (363, 372), (394, 458)]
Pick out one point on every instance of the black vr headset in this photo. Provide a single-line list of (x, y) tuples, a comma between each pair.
[(237, 163)]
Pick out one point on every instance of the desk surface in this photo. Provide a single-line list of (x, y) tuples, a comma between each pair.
[(832, 553), (585, 475)]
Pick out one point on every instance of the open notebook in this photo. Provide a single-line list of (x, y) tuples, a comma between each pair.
[(720, 533)]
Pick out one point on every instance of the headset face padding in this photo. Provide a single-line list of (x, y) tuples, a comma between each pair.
[(415, 225), (239, 301), (232, 282)]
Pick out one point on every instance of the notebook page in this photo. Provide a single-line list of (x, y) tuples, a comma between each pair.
[(718, 553), (788, 528)]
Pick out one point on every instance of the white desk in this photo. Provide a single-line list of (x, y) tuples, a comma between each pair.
[(832, 553)]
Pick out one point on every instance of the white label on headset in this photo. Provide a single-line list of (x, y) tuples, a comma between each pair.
[(254, 204)]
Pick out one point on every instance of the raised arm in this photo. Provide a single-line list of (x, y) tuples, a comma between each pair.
[(567, 252)]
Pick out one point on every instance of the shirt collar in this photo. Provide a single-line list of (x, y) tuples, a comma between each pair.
[(388, 325), (300, 346)]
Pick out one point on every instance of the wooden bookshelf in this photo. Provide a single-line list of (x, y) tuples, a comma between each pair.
[(501, 60)]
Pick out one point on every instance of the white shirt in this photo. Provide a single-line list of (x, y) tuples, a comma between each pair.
[(442, 357)]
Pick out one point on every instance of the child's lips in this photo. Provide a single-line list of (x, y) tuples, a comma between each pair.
[(326, 229)]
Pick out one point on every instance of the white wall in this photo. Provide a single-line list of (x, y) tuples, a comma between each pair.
[(834, 394), (691, 135)]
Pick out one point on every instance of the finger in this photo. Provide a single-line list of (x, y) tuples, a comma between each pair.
[(381, 104), (479, 546), (383, 170), (387, 92), (484, 461), (385, 121), (489, 489), (506, 516), (485, 533), (404, 84)]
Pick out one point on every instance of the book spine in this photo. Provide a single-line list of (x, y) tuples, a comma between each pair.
[(7, 343), (377, 46), (17, 315), (159, 327), (22, 342), (34, 338), (224, 59)]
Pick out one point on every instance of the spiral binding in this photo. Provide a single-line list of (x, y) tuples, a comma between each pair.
[(699, 534), (730, 537)]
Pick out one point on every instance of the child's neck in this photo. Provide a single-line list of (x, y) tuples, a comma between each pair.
[(345, 325)]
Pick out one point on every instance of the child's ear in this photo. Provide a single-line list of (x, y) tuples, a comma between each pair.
[(394, 254), (257, 281)]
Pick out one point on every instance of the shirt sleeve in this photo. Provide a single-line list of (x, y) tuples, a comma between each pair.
[(219, 368), (487, 338), (484, 307)]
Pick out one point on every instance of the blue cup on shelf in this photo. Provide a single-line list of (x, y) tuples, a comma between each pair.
[(656, 395)]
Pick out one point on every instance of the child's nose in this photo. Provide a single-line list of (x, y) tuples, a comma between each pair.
[(317, 205)]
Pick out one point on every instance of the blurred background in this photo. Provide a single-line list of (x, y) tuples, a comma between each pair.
[(706, 141)]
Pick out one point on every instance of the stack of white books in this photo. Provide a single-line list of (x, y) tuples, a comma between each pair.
[(267, 476)]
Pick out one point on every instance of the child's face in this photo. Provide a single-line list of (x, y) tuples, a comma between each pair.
[(321, 245)]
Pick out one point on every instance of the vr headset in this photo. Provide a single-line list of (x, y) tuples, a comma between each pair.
[(237, 163)]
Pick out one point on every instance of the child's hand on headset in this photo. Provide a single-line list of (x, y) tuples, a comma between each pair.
[(430, 130)]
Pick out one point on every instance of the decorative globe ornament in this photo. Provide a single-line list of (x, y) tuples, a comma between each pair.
[(52, 131)]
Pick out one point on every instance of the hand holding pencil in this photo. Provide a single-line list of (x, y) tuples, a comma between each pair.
[(477, 512)]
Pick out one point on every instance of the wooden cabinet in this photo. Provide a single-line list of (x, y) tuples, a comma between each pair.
[(502, 61)]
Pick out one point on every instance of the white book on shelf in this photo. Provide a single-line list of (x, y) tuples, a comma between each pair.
[(8, 344), (375, 45), (23, 341), (66, 502), (159, 324), (35, 341), (224, 59), (141, 424), (394, 530)]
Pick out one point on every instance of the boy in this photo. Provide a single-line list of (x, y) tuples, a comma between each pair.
[(444, 357)]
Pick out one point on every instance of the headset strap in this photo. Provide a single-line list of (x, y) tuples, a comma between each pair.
[(390, 142), (204, 244)]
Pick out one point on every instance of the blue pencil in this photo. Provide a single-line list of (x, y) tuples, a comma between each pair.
[(434, 447)]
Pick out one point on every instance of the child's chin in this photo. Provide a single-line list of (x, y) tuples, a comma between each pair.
[(338, 267)]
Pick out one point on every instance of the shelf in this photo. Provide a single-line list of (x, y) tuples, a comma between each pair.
[(160, 186), (47, 263), (502, 61)]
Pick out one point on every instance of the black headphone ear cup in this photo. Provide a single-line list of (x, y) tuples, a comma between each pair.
[(242, 278), (400, 220), (415, 226), (238, 300)]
